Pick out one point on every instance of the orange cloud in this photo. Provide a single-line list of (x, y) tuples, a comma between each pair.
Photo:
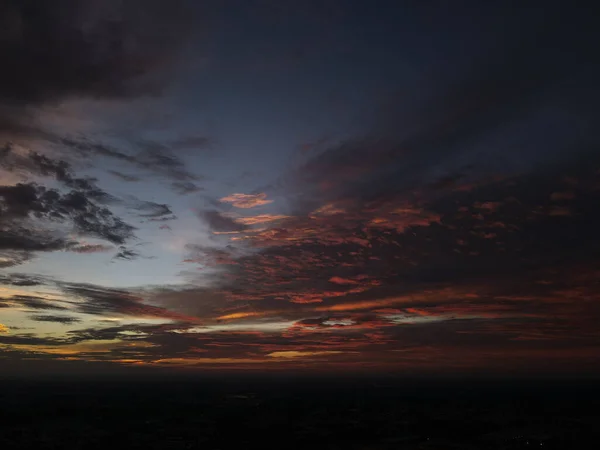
[(340, 280), (328, 210), (403, 218), (261, 218), (241, 315), (359, 305), (433, 295), (247, 200), (308, 298), (195, 361), (84, 347), (301, 354), (3, 328)]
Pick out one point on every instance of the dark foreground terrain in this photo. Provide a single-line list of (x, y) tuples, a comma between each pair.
[(300, 413)]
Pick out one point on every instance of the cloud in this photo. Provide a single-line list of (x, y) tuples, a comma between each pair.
[(160, 158), (30, 201), (338, 269), (3, 328), (65, 320), (211, 256), (340, 280), (162, 219), (35, 302), (261, 218), (95, 51), (125, 177), (90, 248), (433, 237), (185, 187), (88, 48), (127, 254), (34, 216), (9, 258), (241, 315), (22, 279), (155, 157), (37, 164), (300, 354), (151, 209), (219, 222), (97, 300), (246, 200)]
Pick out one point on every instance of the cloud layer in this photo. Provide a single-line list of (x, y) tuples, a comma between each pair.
[(453, 229)]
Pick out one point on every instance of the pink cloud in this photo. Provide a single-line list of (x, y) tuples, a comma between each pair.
[(247, 200)]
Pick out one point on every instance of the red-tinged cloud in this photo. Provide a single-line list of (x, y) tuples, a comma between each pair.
[(400, 247), (260, 219), (247, 200), (340, 280), (308, 298), (301, 354), (395, 274), (404, 217), (243, 315)]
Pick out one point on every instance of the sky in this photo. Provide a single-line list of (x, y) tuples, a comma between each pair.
[(316, 186)]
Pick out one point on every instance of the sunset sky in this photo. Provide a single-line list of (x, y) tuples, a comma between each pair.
[(315, 186)]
